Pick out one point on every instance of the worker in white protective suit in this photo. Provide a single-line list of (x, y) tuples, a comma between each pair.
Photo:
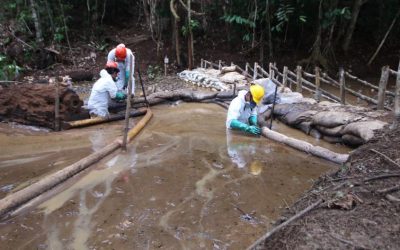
[(122, 56), (103, 90), (242, 112)]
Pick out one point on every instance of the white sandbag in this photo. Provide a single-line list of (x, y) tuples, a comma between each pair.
[(212, 72), (232, 77), (292, 97), (364, 130), (332, 119), (228, 69), (335, 131)]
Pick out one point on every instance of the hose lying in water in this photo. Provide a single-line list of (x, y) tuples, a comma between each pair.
[(22, 196), (98, 120)]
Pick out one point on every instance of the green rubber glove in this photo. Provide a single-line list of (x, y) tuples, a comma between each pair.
[(120, 96), (253, 120), (254, 130)]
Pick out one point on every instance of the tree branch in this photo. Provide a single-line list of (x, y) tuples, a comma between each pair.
[(192, 11), (173, 10)]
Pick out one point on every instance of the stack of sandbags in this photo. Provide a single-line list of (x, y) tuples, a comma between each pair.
[(203, 78), (350, 125)]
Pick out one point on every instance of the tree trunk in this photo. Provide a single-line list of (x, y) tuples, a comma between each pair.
[(270, 47), (35, 17), (174, 7), (190, 37), (146, 13), (253, 43), (353, 21)]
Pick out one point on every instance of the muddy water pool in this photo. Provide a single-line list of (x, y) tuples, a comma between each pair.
[(184, 183)]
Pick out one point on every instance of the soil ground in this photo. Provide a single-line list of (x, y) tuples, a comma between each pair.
[(370, 221)]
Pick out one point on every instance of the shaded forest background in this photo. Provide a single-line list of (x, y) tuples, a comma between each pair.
[(359, 34)]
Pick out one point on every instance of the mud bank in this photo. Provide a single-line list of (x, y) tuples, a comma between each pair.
[(359, 210)]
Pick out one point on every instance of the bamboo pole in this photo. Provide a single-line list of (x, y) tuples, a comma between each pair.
[(305, 146), (342, 86), (246, 68), (317, 85), (57, 107), (128, 108), (255, 71), (298, 79), (397, 100), (201, 63), (382, 87), (284, 78)]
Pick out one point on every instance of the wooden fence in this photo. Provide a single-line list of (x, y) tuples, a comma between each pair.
[(312, 82)]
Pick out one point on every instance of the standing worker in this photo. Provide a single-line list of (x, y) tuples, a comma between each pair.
[(242, 112), (104, 89), (122, 56)]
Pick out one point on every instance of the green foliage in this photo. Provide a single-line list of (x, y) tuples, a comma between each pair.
[(235, 19), (330, 16), (8, 71), (154, 72), (283, 14), (194, 24)]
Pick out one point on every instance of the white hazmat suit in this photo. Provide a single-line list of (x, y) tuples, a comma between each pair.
[(123, 68), (103, 89), (240, 110)]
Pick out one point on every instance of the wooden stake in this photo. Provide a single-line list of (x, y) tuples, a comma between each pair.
[(128, 108), (397, 100), (342, 83), (255, 71), (201, 63), (246, 68), (317, 85), (271, 72), (284, 78), (57, 108), (219, 64), (299, 82), (382, 87)]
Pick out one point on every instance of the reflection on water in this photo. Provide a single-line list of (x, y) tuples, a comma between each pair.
[(184, 183)]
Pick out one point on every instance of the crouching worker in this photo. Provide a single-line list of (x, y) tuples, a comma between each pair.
[(242, 112), (103, 90)]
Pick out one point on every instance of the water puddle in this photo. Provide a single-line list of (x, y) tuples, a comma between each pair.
[(184, 183)]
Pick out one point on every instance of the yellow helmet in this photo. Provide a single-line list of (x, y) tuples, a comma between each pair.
[(257, 92)]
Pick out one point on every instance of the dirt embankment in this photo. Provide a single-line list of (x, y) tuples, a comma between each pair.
[(33, 104), (358, 211)]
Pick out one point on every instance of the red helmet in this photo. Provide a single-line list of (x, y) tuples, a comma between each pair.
[(120, 52), (112, 65)]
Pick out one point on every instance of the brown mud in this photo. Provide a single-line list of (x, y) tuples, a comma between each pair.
[(183, 183), (355, 214)]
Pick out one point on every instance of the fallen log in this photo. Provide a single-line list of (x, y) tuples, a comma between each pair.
[(16, 199), (98, 120), (305, 146)]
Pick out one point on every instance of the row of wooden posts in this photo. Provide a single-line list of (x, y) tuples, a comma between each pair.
[(297, 78)]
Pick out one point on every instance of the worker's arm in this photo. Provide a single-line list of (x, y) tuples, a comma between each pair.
[(233, 119), (253, 117)]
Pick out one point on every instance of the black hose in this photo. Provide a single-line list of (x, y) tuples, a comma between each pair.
[(141, 82), (273, 106)]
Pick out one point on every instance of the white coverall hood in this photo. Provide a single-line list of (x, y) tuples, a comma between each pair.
[(103, 89), (240, 110)]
